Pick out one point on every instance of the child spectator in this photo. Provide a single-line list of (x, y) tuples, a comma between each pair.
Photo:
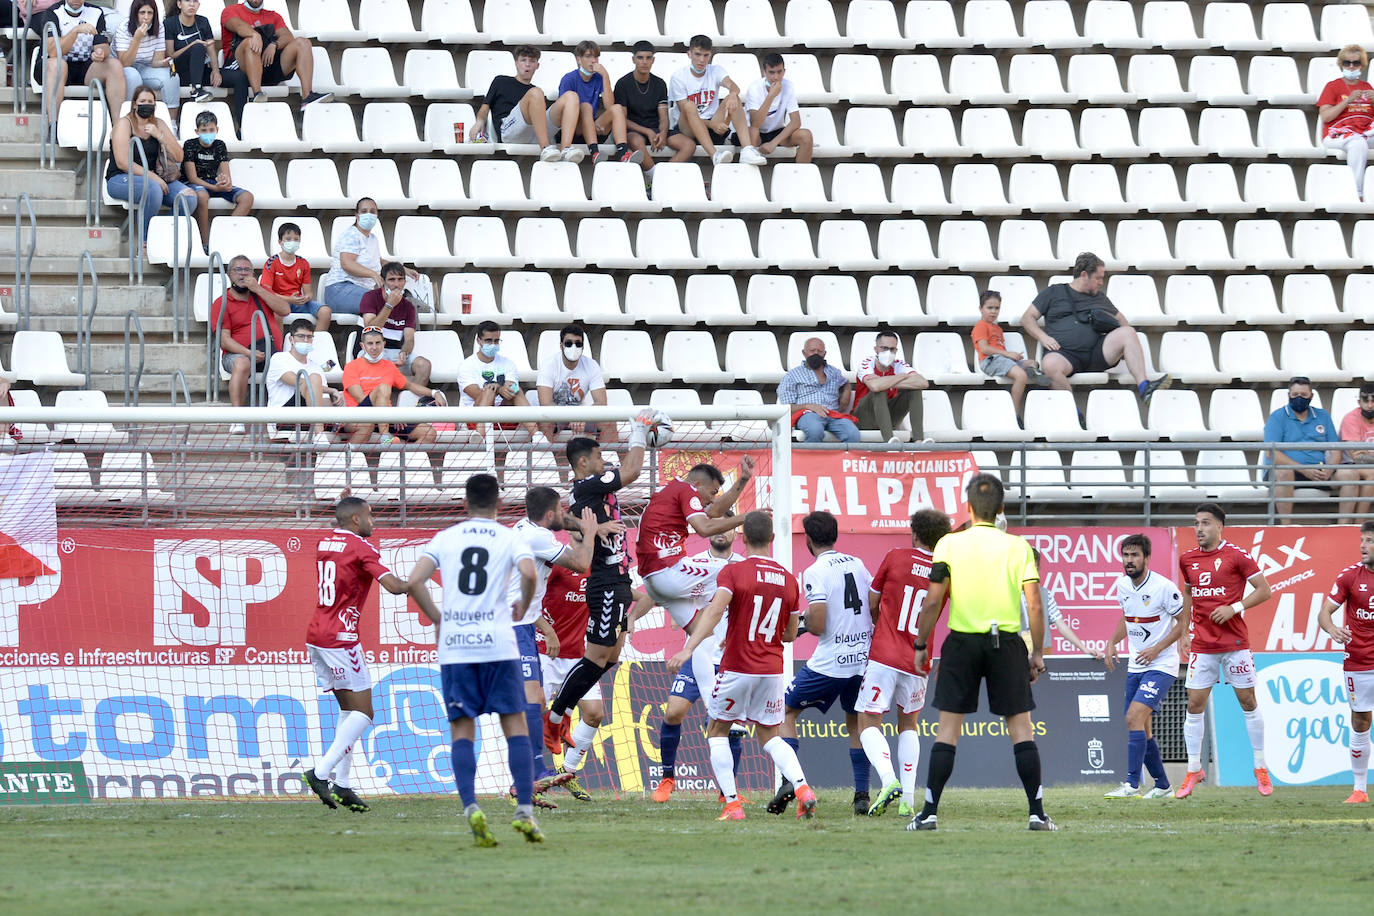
[(205, 160), (288, 276), (990, 346)]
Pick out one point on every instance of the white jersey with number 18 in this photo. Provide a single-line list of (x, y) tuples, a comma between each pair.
[(477, 559), (841, 583), (1150, 610)]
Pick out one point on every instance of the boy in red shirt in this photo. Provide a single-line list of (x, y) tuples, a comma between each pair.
[(990, 349), (288, 276)]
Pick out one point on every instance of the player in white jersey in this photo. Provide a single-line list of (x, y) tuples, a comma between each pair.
[(836, 588), (544, 514), (479, 660), (1153, 621)]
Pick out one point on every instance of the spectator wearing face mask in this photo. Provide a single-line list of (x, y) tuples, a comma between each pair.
[(489, 379), (391, 310), (288, 275), (573, 379), (243, 338), (1358, 426), (887, 389), (205, 160), (372, 380), (1346, 109), (816, 392), (285, 385), (1300, 421)]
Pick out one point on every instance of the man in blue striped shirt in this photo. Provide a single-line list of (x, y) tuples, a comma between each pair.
[(816, 392)]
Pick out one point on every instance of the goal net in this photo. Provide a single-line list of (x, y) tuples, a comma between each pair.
[(158, 573)]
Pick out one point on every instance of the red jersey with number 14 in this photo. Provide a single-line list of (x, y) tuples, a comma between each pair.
[(565, 607), (1216, 578), (1355, 589), (346, 566), (763, 599), (663, 529), (903, 580)]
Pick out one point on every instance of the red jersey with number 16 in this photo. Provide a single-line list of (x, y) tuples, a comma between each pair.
[(346, 566), (663, 529), (903, 580), (763, 599), (1355, 589), (1216, 578)]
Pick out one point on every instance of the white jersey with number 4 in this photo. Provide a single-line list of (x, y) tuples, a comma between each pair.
[(477, 559), (841, 583), (545, 549), (1150, 610)]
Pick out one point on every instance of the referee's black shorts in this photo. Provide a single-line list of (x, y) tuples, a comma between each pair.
[(967, 659)]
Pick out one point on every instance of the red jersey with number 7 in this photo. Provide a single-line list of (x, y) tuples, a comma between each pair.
[(346, 566), (763, 599), (903, 580), (1216, 578)]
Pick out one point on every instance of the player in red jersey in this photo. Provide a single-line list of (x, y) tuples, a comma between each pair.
[(1354, 588), (565, 608), (345, 564), (894, 599), (762, 599), (1213, 576)]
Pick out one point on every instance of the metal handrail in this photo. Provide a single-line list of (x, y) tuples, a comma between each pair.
[(179, 376), (213, 328), (182, 205), (131, 319), (257, 388), (136, 239), (19, 47), (47, 146), (23, 276), (95, 152), (83, 327)]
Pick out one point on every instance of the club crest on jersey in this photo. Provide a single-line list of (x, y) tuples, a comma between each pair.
[(1096, 757), (1216, 564)]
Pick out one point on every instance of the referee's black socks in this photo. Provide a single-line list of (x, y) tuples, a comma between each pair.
[(1028, 768), (941, 766)]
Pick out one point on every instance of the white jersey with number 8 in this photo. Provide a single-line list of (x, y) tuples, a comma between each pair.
[(477, 559)]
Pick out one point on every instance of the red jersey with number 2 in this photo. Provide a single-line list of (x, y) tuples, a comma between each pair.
[(903, 580), (346, 566), (1354, 588), (663, 529), (763, 599), (1216, 578)]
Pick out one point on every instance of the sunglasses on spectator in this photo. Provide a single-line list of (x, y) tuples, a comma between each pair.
[(1352, 63), (572, 343)]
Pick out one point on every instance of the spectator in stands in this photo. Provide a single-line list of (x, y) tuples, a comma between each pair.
[(390, 310), (138, 44), (597, 111), (125, 176), (645, 98), (371, 380), (489, 379), (774, 118), (241, 339), (698, 116), (357, 262), (1299, 421), (1358, 426), (990, 350), (190, 46), (205, 159), (519, 112), (261, 45), (816, 392), (80, 56), (887, 388), (1346, 108), (286, 387), (288, 275), (573, 379), (1084, 332)]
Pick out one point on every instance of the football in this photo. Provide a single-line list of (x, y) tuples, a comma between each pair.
[(660, 430)]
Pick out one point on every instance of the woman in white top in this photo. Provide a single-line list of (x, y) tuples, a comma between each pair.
[(355, 267), (143, 54)]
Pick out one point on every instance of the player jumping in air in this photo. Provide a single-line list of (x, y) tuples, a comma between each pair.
[(762, 599), (1152, 619), (1213, 576), (891, 677), (1354, 588), (345, 564)]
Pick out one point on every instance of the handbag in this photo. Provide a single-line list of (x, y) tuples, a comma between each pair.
[(165, 168)]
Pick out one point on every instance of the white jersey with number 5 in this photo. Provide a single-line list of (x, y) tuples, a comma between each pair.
[(477, 559), (841, 583), (1150, 610)]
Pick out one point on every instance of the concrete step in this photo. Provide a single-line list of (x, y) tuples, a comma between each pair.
[(116, 298), (21, 128), (101, 242), (162, 357), (51, 184), (109, 328), (18, 155), (65, 267), (68, 212), (154, 387)]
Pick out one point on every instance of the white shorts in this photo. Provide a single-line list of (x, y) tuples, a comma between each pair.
[(753, 698), (1205, 669), (682, 590), (884, 686), (1360, 686), (555, 670), (515, 129), (340, 669)]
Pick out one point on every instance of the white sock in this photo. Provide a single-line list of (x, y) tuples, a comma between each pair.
[(344, 768), (879, 754), (1192, 739), (723, 765), (909, 756), (786, 759), (650, 173), (1359, 758), (583, 736), (704, 665), (1254, 724), (351, 726)]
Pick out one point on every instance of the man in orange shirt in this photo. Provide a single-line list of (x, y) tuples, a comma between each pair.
[(370, 381)]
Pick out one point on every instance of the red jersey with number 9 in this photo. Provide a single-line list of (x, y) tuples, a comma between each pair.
[(903, 580), (345, 566), (763, 599)]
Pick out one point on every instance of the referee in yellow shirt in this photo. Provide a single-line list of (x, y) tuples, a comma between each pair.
[(984, 572)]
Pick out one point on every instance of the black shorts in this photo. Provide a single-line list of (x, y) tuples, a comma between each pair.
[(76, 71), (399, 430), (608, 611), (768, 135), (1301, 477), (1087, 360), (724, 138), (968, 659), (272, 74)]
